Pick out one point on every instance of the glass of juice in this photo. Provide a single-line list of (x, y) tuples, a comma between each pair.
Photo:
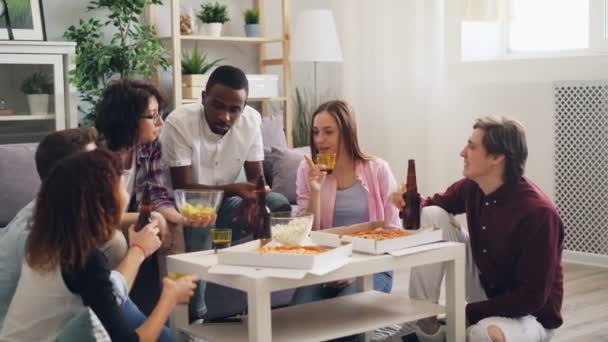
[(328, 160), (175, 275), (221, 238)]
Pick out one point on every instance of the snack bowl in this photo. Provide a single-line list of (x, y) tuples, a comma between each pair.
[(196, 205), (290, 230)]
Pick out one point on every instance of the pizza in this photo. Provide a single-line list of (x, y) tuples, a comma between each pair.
[(380, 234), (299, 250)]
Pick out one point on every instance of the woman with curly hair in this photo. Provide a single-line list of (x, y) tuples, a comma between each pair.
[(79, 206)]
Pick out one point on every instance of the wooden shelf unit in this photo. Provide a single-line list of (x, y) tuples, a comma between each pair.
[(176, 37)]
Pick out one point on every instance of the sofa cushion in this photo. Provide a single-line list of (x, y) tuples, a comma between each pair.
[(19, 180), (273, 134), (285, 164)]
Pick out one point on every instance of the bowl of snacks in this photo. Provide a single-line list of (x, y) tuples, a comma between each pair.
[(289, 229), (199, 205)]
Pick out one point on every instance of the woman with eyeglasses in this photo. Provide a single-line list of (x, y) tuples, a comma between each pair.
[(128, 118)]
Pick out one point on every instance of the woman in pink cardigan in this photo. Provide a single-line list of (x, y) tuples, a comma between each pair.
[(357, 191)]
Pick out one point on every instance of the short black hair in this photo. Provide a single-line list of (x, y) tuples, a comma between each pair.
[(229, 76), (61, 144), (119, 109)]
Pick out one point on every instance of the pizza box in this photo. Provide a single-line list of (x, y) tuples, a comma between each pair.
[(334, 236), (246, 254)]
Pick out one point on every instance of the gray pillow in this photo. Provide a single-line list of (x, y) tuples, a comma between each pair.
[(285, 164), (19, 180), (273, 131)]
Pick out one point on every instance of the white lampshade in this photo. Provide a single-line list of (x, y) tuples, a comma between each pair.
[(315, 38)]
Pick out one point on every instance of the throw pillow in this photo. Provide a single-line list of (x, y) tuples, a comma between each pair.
[(273, 134), (285, 164)]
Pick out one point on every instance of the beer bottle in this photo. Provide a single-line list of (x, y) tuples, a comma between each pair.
[(145, 209), (262, 213), (411, 211)]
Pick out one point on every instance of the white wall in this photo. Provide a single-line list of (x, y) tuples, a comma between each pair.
[(60, 14)]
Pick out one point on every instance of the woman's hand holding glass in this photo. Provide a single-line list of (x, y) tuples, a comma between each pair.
[(316, 175), (181, 289)]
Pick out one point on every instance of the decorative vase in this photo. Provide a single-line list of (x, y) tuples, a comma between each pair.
[(38, 103), (252, 30), (211, 29)]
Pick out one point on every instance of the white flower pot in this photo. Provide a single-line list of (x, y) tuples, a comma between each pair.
[(211, 29), (38, 103)]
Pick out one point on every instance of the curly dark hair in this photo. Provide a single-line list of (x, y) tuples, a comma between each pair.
[(77, 209), (121, 105)]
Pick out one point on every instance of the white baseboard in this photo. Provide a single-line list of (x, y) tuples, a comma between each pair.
[(585, 258)]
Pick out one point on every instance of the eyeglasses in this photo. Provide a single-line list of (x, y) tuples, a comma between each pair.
[(156, 116)]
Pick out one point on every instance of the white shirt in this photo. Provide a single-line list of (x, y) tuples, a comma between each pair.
[(128, 178), (28, 318), (216, 160)]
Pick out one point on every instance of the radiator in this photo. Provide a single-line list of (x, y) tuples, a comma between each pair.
[(581, 164)]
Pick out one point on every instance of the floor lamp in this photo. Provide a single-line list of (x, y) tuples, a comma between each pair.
[(315, 40)]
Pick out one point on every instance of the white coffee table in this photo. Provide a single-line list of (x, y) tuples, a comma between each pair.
[(332, 318)]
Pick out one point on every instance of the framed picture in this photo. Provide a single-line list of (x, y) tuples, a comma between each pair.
[(26, 20)]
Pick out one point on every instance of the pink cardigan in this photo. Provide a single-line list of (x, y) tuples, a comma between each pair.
[(375, 176)]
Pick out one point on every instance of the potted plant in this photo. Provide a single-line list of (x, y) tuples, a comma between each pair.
[(213, 16), (133, 50), (194, 67), (252, 22), (38, 87)]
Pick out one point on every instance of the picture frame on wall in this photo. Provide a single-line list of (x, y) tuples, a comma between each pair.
[(26, 20)]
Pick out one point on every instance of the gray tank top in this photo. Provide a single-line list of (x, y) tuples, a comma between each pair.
[(351, 206)]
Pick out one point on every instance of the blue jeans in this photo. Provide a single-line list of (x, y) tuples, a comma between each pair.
[(197, 239), (306, 294), (135, 318)]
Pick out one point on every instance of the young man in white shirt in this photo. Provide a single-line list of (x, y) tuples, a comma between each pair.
[(206, 145)]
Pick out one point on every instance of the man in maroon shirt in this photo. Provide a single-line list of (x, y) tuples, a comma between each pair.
[(514, 279)]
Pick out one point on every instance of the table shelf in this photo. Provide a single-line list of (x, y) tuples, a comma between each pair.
[(327, 319)]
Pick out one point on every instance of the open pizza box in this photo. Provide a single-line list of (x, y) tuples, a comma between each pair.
[(245, 258), (335, 236)]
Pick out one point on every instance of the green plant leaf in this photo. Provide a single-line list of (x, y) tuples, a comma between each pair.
[(251, 16), (133, 51)]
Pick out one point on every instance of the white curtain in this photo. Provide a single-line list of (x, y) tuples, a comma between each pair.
[(393, 56)]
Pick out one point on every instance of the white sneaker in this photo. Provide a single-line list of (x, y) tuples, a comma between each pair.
[(413, 329)]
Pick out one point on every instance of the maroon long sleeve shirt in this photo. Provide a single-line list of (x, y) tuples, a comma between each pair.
[(516, 238)]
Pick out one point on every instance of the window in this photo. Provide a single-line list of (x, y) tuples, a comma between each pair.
[(530, 28), (549, 25)]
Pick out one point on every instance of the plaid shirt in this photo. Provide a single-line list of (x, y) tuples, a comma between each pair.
[(148, 169)]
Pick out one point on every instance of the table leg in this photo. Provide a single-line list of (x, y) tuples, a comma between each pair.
[(365, 283), (454, 284), (259, 318), (179, 319)]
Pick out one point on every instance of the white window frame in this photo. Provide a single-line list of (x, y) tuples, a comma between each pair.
[(598, 38)]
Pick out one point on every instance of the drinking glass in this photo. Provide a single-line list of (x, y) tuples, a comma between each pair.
[(221, 238), (327, 159)]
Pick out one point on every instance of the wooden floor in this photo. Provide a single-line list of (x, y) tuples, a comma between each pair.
[(585, 308)]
